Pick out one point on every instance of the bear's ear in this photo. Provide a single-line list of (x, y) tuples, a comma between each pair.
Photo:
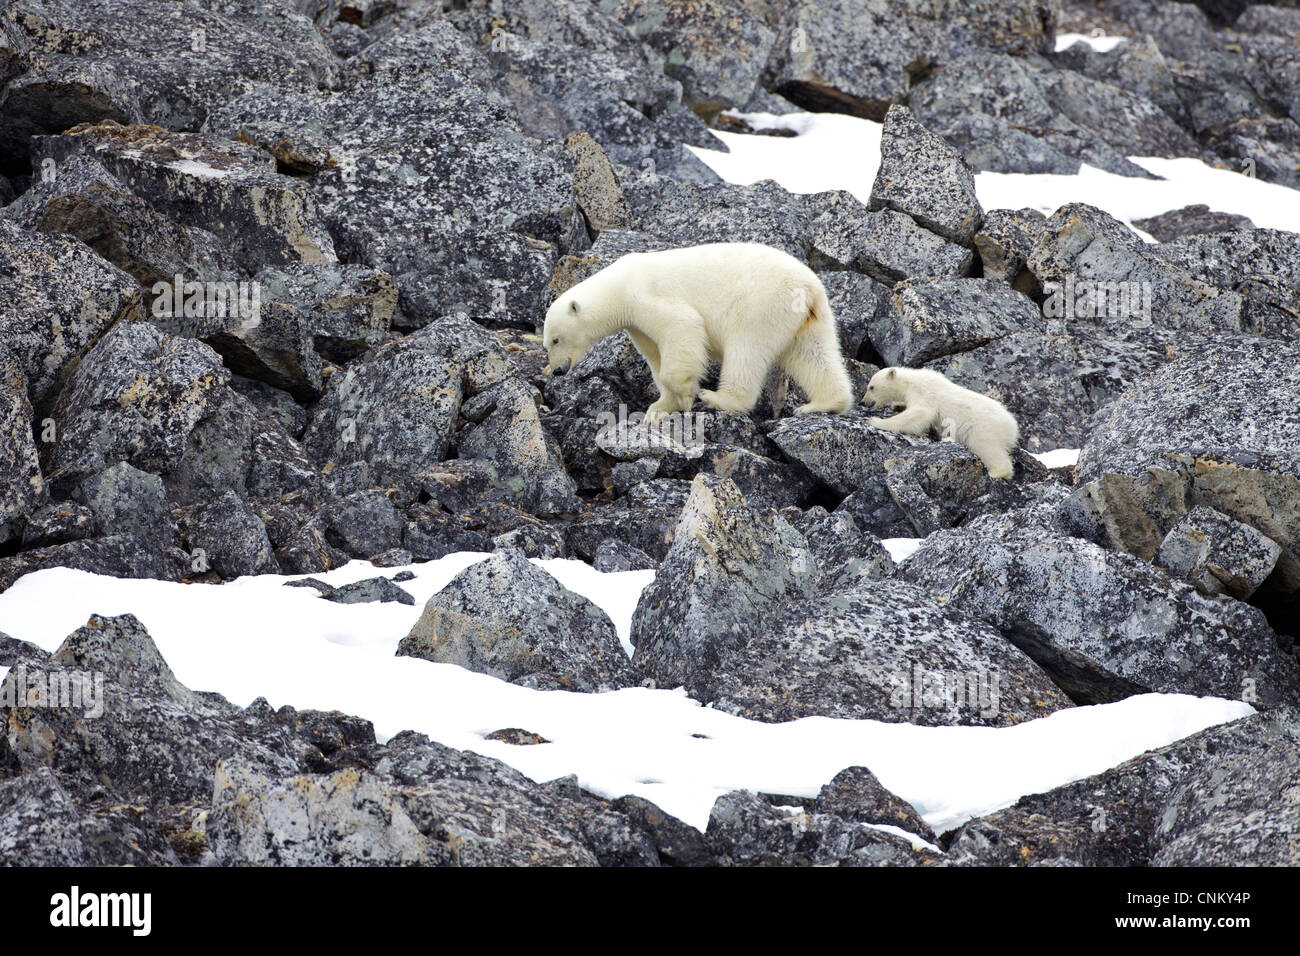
[(573, 305), (893, 373)]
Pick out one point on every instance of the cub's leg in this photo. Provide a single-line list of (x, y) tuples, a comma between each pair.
[(994, 455), (915, 420)]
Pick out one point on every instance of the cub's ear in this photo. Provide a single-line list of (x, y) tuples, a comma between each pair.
[(573, 305), (893, 373)]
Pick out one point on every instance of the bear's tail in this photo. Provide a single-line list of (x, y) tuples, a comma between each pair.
[(814, 361)]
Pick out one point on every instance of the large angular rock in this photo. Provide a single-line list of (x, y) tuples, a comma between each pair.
[(79, 197), (507, 434), (728, 569), (507, 617), (422, 804), (1262, 265), (347, 309), (430, 177), (1119, 818), (870, 653), (230, 536), (888, 246), (397, 407), (747, 830), (228, 188), (1237, 809), (1217, 428), (79, 61), (1217, 554), (47, 325), (923, 176), (715, 73), (1081, 244), (159, 402), (931, 318), (844, 57), (1104, 625), (22, 486)]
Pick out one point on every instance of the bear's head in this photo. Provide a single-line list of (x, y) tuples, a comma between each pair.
[(885, 388), (567, 333)]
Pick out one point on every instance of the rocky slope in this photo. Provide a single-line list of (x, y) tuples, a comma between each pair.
[(270, 273)]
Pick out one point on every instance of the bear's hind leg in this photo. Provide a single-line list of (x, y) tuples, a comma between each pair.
[(744, 369), (813, 360)]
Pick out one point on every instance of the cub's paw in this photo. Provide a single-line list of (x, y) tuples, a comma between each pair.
[(878, 422)]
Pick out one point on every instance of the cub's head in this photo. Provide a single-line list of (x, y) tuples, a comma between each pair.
[(564, 332), (885, 388)]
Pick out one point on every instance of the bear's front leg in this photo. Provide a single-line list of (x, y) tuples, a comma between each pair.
[(916, 420), (679, 379)]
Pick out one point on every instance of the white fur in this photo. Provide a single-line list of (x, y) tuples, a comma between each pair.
[(744, 305), (980, 423)]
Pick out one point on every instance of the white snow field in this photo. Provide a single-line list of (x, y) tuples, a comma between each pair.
[(832, 151), (256, 637)]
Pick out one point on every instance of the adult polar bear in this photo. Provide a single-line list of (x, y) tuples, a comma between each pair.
[(980, 423), (742, 304)]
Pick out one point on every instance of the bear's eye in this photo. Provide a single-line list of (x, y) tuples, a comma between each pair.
[(555, 341), (573, 306)]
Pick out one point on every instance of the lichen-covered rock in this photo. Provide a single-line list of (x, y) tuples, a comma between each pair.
[(844, 57), (397, 407), (133, 729), (506, 433), (845, 555), (368, 591), (714, 48), (1118, 818), (1236, 809), (1217, 554), (1010, 115), (347, 309), (431, 179), (730, 566), (1216, 428), (507, 617), (614, 555), (226, 187), (47, 326), (22, 486), (421, 804), (126, 500), (855, 794), (747, 830), (1262, 265), (923, 176), (870, 652), (231, 538), (888, 246), (42, 825), (78, 61), (1105, 625), (159, 402), (931, 318), (1194, 220), (79, 197), (1005, 240), (364, 523)]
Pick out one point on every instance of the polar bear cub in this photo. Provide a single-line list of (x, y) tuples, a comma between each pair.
[(980, 423), (745, 305)]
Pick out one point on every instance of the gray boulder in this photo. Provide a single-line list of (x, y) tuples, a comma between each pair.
[(507, 617)]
